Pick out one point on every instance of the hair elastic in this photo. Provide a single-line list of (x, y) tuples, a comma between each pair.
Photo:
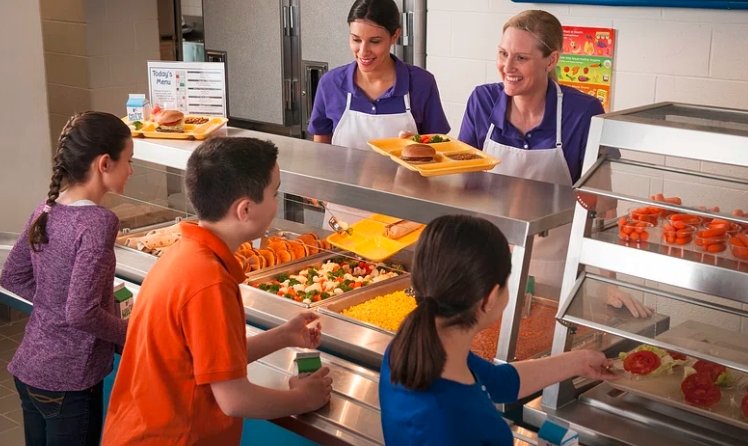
[(46, 209)]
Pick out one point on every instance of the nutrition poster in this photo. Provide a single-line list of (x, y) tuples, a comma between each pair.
[(587, 61), (195, 88)]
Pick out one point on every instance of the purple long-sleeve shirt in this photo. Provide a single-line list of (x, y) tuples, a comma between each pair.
[(71, 334)]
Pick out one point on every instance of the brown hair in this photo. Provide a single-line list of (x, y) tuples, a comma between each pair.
[(457, 262), (543, 25), (221, 170), (85, 136)]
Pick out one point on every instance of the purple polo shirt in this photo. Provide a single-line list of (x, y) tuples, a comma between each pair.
[(70, 337), (488, 104), (334, 86)]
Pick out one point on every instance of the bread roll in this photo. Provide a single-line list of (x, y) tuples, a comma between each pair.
[(401, 229)]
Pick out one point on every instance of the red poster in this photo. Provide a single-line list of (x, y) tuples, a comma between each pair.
[(587, 61)]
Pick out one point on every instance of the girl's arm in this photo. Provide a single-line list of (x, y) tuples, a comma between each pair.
[(90, 297), (536, 374), (18, 273)]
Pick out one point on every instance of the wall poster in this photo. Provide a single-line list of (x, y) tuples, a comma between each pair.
[(586, 62)]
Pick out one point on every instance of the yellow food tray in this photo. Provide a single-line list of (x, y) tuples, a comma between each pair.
[(443, 163), (367, 238), (191, 131)]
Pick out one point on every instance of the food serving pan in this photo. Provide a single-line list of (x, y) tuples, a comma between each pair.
[(295, 266), (335, 307)]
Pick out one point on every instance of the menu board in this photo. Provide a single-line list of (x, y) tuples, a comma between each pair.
[(586, 62), (195, 88)]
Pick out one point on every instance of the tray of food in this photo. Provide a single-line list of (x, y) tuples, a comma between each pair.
[(173, 124), (311, 281), (381, 307), (377, 237), (432, 155), (691, 384)]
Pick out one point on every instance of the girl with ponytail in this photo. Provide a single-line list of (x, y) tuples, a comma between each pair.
[(432, 389), (64, 264)]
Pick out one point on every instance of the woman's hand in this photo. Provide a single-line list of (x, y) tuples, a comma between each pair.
[(303, 330), (618, 299), (405, 134)]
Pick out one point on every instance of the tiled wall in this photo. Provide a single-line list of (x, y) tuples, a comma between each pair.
[(24, 148), (663, 54), (95, 53)]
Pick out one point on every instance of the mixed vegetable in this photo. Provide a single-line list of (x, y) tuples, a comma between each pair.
[(334, 277), (426, 139)]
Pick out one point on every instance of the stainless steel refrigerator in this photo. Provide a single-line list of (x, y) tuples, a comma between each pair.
[(276, 50)]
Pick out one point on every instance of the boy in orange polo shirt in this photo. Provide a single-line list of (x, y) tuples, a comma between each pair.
[(183, 376)]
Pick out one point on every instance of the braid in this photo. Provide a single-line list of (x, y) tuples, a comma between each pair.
[(38, 230)]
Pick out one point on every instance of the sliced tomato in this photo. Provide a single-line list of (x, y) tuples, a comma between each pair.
[(744, 406), (677, 355), (642, 362), (699, 389), (709, 368)]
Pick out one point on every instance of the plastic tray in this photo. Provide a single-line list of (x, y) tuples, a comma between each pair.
[(191, 131), (367, 238), (443, 164)]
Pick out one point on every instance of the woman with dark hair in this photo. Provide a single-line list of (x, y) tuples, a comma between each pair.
[(64, 264), (376, 95), (432, 389)]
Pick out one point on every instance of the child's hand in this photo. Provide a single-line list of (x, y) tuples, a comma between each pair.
[(303, 330), (315, 388)]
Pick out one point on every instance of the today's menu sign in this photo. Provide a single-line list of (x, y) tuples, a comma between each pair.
[(587, 61), (196, 88)]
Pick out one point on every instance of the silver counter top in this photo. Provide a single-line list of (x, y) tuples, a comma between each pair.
[(366, 179)]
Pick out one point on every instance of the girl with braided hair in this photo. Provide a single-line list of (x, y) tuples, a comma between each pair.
[(432, 389), (64, 264)]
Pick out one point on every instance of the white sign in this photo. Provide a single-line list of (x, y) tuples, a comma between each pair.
[(195, 88)]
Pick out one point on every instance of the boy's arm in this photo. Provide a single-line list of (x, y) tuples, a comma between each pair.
[(297, 332), (241, 398)]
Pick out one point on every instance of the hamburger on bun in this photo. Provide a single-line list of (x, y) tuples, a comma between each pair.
[(422, 153), (170, 121)]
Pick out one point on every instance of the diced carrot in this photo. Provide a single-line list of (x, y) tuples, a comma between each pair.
[(634, 236)]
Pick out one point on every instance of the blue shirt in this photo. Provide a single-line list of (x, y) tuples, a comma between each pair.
[(488, 104), (334, 86), (448, 412)]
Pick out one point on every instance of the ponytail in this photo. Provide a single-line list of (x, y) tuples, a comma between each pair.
[(38, 230), (417, 356)]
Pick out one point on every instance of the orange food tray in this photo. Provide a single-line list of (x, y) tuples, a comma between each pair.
[(367, 238), (191, 131), (443, 164)]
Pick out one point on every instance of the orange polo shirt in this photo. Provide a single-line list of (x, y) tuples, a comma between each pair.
[(186, 331)]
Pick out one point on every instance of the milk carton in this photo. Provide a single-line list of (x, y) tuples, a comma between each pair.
[(138, 108), (123, 300), (552, 434)]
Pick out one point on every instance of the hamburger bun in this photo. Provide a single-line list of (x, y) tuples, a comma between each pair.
[(170, 121), (418, 153)]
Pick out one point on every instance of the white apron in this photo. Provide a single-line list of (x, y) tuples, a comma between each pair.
[(354, 130), (549, 165)]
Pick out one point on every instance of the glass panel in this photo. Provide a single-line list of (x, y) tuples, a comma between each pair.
[(694, 116), (692, 323)]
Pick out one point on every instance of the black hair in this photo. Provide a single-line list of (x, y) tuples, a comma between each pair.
[(382, 12), (84, 137), (222, 170), (457, 262)]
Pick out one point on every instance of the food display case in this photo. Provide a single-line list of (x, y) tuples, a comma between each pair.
[(659, 223), (521, 208)]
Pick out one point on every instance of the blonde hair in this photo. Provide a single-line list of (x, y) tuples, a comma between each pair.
[(543, 25)]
